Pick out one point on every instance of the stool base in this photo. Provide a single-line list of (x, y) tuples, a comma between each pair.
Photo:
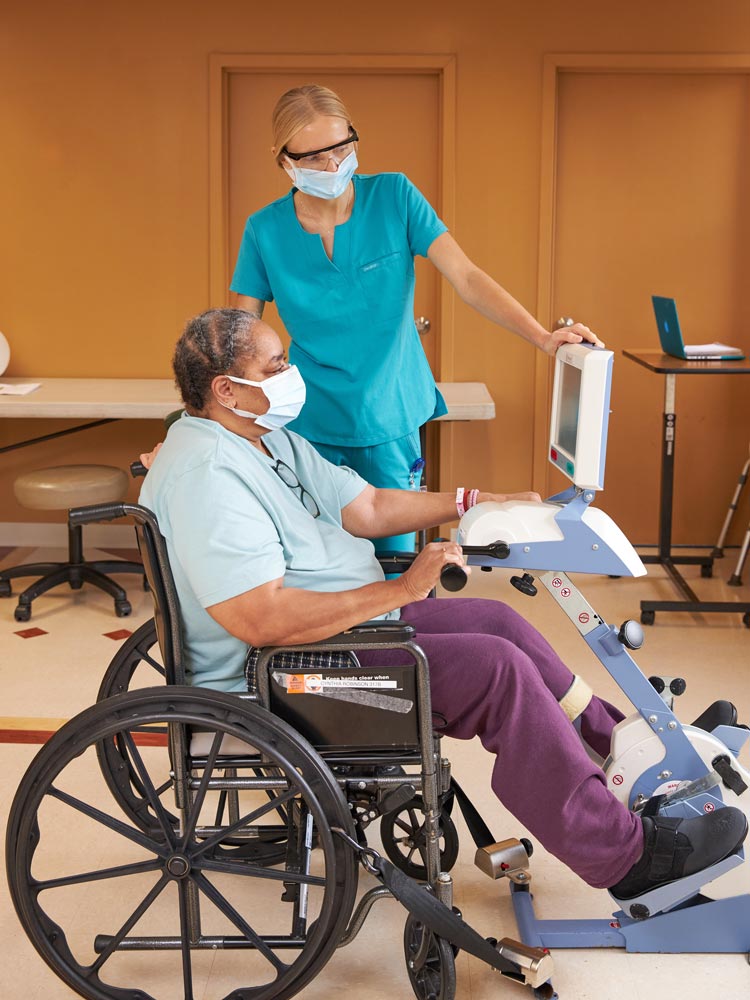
[(75, 572)]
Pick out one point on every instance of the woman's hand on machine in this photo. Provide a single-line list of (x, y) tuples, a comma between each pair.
[(424, 573), (570, 335)]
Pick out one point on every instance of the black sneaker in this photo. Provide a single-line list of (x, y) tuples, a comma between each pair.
[(676, 847)]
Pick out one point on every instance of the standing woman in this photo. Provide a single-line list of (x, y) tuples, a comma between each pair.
[(337, 255)]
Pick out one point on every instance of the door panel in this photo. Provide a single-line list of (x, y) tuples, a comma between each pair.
[(652, 198)]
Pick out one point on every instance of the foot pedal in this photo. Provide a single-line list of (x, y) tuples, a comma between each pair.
[(508, 859), (535, 964)]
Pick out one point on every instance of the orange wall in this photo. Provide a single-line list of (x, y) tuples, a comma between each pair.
[(104, 177)]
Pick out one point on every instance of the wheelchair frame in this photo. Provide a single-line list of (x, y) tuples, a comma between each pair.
[(315, 806)]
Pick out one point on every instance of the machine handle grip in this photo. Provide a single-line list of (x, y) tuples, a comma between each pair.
[(453, 577)]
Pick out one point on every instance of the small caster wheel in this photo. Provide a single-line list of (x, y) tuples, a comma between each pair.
[(145, 584), (707, 572), (746, 619), (75, 584), (22, 613), (430, 962), (122, 609), (5, 590), (404, 839), (647, 617)]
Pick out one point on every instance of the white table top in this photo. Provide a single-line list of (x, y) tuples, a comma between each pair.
[(154, 398)]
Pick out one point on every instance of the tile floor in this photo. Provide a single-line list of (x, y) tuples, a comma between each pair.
[(53, 675)]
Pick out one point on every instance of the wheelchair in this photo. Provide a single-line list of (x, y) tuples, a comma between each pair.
[(214, 839)]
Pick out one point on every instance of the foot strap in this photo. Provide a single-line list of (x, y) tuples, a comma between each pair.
[(576, 699), (664, 851)]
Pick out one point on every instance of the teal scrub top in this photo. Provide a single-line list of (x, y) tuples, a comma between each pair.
[(351, 319), (231, 524)]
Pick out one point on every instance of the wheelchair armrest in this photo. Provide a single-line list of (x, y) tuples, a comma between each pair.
[(389, 630), (370, 632)]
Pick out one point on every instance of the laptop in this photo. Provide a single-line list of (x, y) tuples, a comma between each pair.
[(672, 343)]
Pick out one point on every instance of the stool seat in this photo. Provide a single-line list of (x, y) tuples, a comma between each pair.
[(60, 488), (65, 486)]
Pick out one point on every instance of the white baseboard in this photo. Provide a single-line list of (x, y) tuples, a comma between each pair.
[(23, 534)]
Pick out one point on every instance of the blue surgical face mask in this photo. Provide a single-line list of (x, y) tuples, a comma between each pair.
[(324, 183), (286, 393)]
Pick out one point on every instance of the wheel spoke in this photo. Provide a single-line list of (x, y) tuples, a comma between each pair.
[(225, 907), (200, 795), (132, 920), (230, 867), (129, 832), (99, 875), (403, 825), (187, 964), (251, 817), (149, 789)]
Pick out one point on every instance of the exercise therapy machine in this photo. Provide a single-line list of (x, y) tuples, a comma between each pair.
[(229, 830), (656, 764)]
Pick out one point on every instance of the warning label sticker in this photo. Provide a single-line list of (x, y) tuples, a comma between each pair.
[(317, 684)]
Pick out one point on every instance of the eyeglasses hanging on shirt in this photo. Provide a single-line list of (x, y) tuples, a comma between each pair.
[(289, 478)]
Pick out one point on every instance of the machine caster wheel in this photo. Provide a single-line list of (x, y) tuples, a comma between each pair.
[(647, 617), (707, 572), (430, 962), (22, 613), (403, 835), (5, 590), (122, 609)]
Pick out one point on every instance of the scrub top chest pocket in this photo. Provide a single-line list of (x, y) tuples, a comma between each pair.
[(386, 281)]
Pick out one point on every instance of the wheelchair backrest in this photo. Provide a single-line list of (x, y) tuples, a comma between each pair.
[(153, 549)]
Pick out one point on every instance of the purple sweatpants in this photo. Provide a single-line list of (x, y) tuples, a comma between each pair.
[(492, 675)]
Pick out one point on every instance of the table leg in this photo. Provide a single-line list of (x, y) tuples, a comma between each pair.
[(690, 601)]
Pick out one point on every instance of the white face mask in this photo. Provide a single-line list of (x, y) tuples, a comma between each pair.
[(286, 393), (324, 183)]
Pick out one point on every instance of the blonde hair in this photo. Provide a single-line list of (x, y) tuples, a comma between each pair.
[(298, 107)]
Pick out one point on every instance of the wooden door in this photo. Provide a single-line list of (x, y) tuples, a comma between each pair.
[(652, 197), (397, 115)]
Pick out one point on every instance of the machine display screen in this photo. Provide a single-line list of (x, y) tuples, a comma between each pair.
[(570, 397)]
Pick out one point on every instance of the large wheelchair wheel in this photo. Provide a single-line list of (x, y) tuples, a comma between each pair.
[(119, 912)]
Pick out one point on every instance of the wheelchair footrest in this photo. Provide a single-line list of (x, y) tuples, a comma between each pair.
[(507, 859)]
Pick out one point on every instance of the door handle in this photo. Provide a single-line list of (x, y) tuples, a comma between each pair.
[(422, 324)]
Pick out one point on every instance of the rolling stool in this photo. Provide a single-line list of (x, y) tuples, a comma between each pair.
[(60, 488)]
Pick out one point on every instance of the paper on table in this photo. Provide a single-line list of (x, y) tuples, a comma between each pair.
[(20, 389)]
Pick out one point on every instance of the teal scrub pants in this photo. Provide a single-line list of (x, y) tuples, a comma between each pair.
[(385, 466)]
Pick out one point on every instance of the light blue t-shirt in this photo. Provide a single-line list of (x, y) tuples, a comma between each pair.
[(231, 524), (351, 319)]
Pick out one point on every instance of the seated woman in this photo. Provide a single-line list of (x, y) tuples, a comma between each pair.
[(268, 546)]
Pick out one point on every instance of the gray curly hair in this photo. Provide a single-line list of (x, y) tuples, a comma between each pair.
[(211, 344)]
